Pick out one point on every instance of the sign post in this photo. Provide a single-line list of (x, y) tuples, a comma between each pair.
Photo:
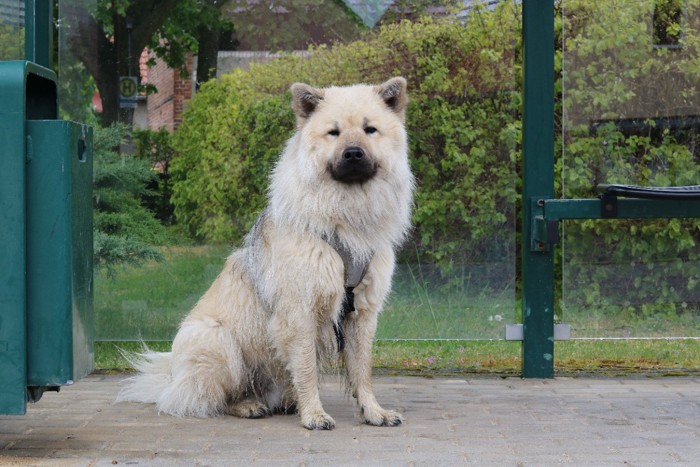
[(128, 91)]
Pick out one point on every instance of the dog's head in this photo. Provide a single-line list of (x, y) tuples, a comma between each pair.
[(354, 132)]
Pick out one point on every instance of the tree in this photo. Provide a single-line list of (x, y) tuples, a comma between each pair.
[(156, 148), (108, 40), (462, 121), (11, 42), (292, 24), (195, 26), (100, 39), (124, 230)]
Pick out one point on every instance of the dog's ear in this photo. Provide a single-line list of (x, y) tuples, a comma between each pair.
[(393, 93), (305, 99)]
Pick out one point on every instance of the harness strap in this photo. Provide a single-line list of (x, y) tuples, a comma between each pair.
[(348, 307), (354, 273)]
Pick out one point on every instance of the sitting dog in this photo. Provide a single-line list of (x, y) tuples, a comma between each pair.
[(311, 277)]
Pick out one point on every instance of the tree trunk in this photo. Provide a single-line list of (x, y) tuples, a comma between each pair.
[(208, 38), (107, 58)]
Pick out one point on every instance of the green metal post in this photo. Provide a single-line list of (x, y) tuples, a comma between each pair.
[(13, 286), (45, 227), (26, 91), (38, 33), (538, 184)]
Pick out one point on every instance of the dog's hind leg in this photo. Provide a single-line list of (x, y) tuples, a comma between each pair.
[(207, 371), (248, 408), (280, 397), (259, 400)]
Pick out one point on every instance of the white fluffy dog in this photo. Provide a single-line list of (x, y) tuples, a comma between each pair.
[(311, 278)]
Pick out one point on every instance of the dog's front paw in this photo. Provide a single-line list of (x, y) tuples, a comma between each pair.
[(382, 417), (318, 421)]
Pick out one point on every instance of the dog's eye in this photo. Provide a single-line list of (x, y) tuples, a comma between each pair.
[(334, 132), (370, 129)]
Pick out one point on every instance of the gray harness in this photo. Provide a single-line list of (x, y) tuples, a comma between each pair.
[(354, 273)]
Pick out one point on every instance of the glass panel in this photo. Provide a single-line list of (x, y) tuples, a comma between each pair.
[(11, 29), (631, 101), (211, 89)]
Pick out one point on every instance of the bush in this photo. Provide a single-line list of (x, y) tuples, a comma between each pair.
[(465, 135), (156, 148), (11, 42), (641, 266), (124, 230), (462, 121), (619, 89), (227, 145)]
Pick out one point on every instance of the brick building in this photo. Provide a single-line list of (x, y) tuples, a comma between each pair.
[(164, 108)]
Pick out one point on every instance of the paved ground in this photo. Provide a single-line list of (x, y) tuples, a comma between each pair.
[(449, 421)]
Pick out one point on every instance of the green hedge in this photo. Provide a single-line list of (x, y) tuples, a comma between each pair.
[(463, 124), (465, 141), (640, 267), (227, 144)]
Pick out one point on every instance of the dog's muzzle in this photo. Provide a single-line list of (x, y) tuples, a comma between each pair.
[(353, 166)]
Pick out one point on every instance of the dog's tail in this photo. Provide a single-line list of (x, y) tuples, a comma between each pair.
[(152, 378)]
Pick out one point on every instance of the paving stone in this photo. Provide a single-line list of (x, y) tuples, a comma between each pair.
[(449, 421)]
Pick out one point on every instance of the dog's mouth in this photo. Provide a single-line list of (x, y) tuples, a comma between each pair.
[(353, 166)]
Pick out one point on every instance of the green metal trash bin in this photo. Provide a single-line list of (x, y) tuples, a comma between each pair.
[(59, 254), (46, 237)]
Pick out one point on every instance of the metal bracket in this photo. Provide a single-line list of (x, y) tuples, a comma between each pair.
[(514, 332), (608, 206), (539, 234), (545, 232), (552, 232)]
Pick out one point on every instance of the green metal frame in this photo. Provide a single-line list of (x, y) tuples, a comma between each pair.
[(538, 184), (16, 108), (562, 209), (46, 227), (20, 82), (38, 34), (542, 213)]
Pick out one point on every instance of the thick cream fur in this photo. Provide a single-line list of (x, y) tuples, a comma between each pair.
[(254, 342)]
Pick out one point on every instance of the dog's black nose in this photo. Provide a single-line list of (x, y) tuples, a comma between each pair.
[(353, 154), (353, 166)]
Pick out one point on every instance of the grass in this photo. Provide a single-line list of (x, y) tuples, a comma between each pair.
[(429, 358), (571, 357), (422, 307), (147, 304), (662, 357), (612, 323)]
